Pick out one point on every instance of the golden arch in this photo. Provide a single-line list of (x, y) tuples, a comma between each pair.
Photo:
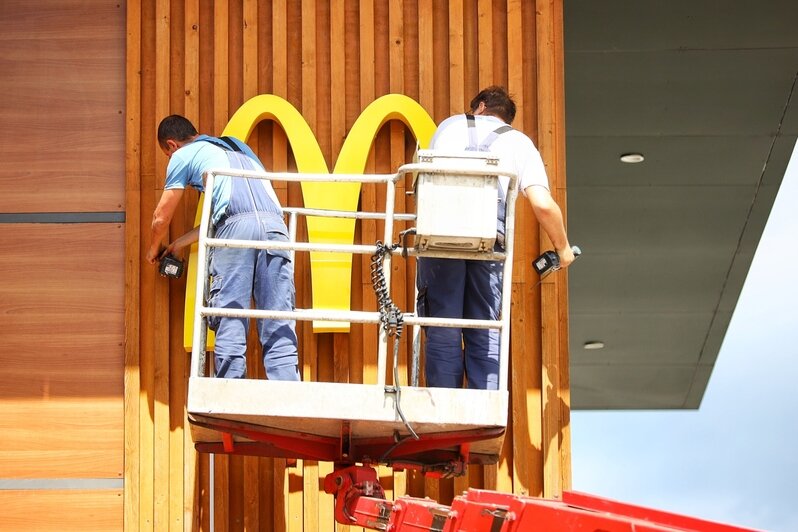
[(331, 273)]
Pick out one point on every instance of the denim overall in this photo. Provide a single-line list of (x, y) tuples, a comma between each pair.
[(240, 275)]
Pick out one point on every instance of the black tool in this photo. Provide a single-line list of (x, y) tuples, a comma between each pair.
[(549, 261), (171, 266)]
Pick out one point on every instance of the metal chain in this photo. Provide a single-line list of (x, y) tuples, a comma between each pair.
[(392, 321), (390, 316)]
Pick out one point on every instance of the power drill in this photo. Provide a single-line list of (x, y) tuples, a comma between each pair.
[(549, 261), (171, 266)]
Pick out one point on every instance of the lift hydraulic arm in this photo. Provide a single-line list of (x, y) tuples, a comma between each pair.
[(360, 502)]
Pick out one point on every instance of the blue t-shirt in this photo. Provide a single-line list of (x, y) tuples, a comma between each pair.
[(188, 165)]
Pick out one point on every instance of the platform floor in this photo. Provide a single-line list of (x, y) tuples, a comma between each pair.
[(345, 422)]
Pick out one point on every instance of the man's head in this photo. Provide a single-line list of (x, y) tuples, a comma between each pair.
[(173, 132), (496, 102)]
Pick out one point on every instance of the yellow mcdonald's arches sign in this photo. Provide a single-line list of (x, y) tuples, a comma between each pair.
[(331, 273)]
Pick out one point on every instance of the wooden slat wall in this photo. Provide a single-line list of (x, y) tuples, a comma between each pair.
[(204, 58)]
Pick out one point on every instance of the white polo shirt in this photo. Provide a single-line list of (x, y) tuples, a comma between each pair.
[(515, 150)]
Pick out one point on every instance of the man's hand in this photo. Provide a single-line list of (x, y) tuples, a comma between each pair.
[(154, 254), (566, 256)]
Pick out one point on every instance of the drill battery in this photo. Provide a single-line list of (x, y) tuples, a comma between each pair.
[(171, 266)]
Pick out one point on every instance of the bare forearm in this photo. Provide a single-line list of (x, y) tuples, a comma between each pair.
[(551, 221), (184, 240), (550, 217), (157, 234), (160, 222)]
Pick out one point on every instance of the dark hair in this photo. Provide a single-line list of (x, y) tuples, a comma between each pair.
[(497, 102), (175, 127)]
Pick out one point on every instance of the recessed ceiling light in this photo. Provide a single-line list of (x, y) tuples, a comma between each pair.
[(632, 158), (594, 344)]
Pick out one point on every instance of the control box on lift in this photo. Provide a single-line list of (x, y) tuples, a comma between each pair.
[(456, 211)]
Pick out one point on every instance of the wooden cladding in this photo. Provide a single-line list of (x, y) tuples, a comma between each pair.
[(62, 80), (204, 59), (62, 190)]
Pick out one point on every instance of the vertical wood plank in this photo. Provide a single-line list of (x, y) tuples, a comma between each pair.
[(527, 390), (191, 78), (280, 516), (220, 65), (562, 293), (456, 58), (294, 498), (485, 43), (132, 381), (265, 499), (352, 105), (177, 374), (235, 493), (311, 496), (161, 354), (206, 87), (191, 478), (501, 64), (338, 86), (251, 499), (322, 81), (279, 74), (552, 139), (397, 158), (149, 197), (310, 112), (221, 492), (440, 31), (470, 85), (515, 35), (368, 198), (426, 80), (250, 49), (235, 56), (396, 44)]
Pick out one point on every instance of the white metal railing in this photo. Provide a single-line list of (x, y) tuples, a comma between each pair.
[(202, 312)]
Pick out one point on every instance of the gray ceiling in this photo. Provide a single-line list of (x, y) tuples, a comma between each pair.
[(706, 90)]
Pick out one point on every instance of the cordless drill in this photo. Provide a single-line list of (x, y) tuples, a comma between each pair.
[(171, 266), (549, 261)]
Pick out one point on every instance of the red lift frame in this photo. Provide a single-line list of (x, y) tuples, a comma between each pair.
[(359, 501)]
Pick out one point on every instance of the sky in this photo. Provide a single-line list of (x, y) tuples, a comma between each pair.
[(735, 459)]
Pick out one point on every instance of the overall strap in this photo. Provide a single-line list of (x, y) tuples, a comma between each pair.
[(473, 144), (472, 133), (230, 145), (259, 198), (492, 136)]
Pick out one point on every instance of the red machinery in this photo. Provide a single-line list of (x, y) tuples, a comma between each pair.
[(359, 501)]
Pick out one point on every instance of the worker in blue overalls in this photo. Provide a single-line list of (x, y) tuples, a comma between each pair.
[(471, 289), (242, 209)]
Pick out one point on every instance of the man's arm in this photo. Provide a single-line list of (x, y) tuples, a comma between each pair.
[(550, 218), (177, 245), (161, 219)]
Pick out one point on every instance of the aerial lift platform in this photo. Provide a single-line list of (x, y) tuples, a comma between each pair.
[(437, 431), (400, 425)]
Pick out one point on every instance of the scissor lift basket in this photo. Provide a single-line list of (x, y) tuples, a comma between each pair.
[(432, 429)]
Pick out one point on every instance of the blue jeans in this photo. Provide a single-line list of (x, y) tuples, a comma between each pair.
[(241, 275), (455, 288)]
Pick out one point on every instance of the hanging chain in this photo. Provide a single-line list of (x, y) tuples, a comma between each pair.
[(392, 321), (391, 317)]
